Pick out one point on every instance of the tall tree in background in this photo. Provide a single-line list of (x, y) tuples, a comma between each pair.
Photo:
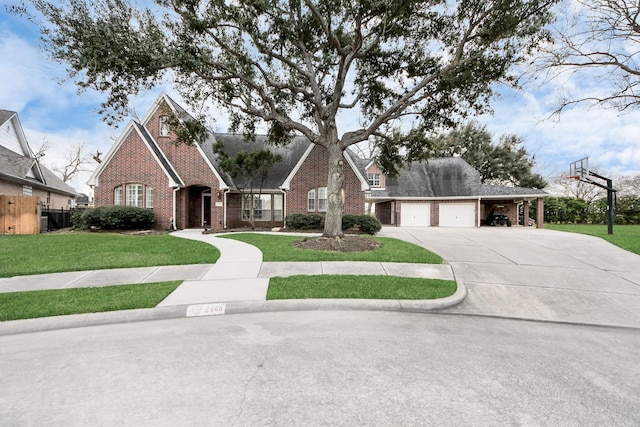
[(300, 65), (506, 162), (601, 36), (76, 161)]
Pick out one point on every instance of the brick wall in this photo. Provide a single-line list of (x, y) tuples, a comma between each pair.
[(192, 169), (133, 163), (314, 174)]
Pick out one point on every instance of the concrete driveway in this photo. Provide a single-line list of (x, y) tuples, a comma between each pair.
[(537, 274)]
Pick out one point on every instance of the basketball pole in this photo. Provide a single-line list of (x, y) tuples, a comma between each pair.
[(580, 170), (610, 190)]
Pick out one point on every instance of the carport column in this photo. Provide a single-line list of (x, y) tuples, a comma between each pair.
[(539, 212), (525, 213)]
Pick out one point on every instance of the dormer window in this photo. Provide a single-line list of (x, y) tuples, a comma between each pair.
[(374, 179), (164, 125)]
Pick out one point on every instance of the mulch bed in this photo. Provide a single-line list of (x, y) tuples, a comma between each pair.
[(345, 244)]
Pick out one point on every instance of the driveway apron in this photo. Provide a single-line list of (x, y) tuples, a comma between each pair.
[(536, 274)]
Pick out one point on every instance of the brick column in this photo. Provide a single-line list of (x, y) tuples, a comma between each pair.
[(525, 213), (539, 212)]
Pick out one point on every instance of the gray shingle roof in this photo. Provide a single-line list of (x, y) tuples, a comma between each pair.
[(158, 152), (233, 143), (444, 177), (5, 115), (15, 167)]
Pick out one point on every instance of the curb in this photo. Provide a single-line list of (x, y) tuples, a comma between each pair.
[(43, 324)]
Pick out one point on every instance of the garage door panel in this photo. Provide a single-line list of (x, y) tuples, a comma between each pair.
[(415, 215), (457, 215)]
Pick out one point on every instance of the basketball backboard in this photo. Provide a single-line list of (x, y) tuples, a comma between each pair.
[(579, 169)]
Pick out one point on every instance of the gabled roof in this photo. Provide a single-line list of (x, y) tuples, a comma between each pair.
[(280, 175), (5, 115), (292, 154), (445, 177), (163, 162), (21, 167), (158, 154)]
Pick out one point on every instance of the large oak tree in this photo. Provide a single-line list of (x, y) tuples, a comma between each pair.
[(299, 66)]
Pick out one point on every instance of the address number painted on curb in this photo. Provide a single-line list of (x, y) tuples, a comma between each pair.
[(206, 309)]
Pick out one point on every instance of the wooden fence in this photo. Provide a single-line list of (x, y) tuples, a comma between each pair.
[(19, 215)]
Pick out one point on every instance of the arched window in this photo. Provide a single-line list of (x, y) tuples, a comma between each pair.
[(164, 125), (137, 195)]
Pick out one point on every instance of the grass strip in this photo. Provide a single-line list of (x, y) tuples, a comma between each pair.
[(279, 248), (624, 236), (363, 287), (80, 251), (58, 302)]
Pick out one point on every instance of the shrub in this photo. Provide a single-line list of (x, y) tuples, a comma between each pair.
[(114, 218), (303, 222), (366, 223)]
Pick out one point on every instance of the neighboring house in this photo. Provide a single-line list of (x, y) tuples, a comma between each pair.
[(20, 172), (185, 186), (446, 192)]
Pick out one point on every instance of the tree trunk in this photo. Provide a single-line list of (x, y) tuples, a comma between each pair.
[(335, 193)]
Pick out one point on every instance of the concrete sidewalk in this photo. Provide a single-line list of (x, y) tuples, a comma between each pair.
[(239, 275)]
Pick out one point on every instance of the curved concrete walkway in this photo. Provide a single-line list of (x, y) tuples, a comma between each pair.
[(240, 274), (520, 273), (236, 283)]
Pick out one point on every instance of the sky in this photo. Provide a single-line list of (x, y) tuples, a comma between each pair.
[(51, 109)]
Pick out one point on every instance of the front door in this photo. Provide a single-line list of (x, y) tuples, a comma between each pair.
[(206, 208)]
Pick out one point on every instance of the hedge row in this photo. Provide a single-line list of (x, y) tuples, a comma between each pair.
[(571, 210), (366, 224), (113, 218)]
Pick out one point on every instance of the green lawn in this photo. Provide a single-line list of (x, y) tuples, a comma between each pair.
[(57, 302), (625, 236), (52, 253), (364, 287), (278, 248)]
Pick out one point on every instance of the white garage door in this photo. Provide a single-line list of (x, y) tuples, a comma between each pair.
[(457, 215), (415, 215)]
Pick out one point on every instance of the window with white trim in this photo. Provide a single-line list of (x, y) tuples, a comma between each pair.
[(117, 196), (311, 200), (148, 199), (278, 203), (164, 125), (322, 199), (261, 204), (134, 195), (374, 179)]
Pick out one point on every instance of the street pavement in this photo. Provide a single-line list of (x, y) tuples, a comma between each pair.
[(522, 273), (321, 368)]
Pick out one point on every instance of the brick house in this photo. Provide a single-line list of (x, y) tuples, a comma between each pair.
[(185, 186), (446, 192), (21, 174)]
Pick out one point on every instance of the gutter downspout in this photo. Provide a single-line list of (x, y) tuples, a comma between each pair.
[(175, 210), (284, 206), (224, 208)]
